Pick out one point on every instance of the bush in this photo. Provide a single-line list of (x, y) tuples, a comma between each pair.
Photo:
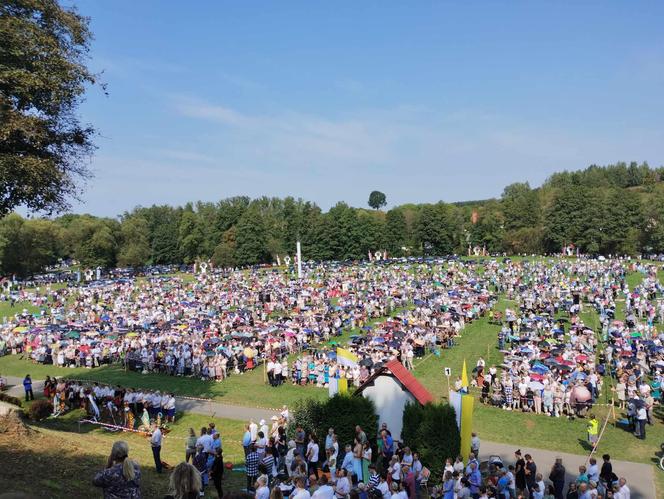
[(40, 409), (4, 397), (432, 431), (341, 412)]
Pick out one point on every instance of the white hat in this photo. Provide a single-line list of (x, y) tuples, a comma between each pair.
[(274, 418), (262, 422)]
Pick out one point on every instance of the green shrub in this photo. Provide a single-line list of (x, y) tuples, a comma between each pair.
[(4, 397), (341, 412), (41, 409), (432, 431)]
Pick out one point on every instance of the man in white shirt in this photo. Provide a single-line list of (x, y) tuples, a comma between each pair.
[(324, 490), (253, 429), (312, 456), (300, 491), (155, 443), (205, 440), (623, 490)]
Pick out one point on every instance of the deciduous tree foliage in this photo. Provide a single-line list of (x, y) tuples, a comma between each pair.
[(377, 199), (43, 145), (613, 217)]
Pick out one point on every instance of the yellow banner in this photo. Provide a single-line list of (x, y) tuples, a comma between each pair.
[(466, 425), (343, 385)]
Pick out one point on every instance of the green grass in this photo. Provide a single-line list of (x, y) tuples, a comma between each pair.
[(477, 339), (6, 310), (61, 459), (242, 389)]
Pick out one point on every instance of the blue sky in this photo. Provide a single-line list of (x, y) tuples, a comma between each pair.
[(327, 101)]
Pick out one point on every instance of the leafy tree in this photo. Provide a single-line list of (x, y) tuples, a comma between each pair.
[(251, 238), (521, 206), (434, 229), (27, 246), (377, 200), (224, 253), (92, 241), (190, 236), (395, 231), (42, 81), (135, 247)]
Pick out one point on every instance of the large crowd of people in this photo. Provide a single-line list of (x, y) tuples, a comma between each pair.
[(573, 336)]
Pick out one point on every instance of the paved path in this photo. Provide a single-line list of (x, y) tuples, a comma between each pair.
[(197, 406), (639, 476)]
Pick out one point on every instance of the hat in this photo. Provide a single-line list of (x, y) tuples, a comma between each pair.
[(262, 422), (274, 418)]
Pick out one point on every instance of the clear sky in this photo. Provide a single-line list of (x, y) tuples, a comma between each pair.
[(327, 101)]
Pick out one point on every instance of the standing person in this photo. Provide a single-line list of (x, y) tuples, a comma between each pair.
[(475, 445), (531, 472), (217, 472), (246, 440), (190, 445), (557, 477), (251, 466), (155, 443), (387, 447), (606, 476), (122, 477), (623, 491), (27, 386), (448, 486), (593, 430), (641, 419), (520, 472), (312, 455)]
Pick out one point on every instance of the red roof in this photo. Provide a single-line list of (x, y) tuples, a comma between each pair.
[(404, 377)]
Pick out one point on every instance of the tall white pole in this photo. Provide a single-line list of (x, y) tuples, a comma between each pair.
[(299, 261)]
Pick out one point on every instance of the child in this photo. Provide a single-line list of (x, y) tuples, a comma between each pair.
[(332, 463)]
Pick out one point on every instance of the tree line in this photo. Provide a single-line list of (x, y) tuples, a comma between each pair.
[(618, 209)]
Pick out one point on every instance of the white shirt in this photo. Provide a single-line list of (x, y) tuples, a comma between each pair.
[(263, 493), (384, 489), (301, 494), (623, 493), (324, 492), (155, 440), (206, 442), (312, 452)]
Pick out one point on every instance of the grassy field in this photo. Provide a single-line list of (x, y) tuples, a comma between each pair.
[(477, 339), (56, 460), (240, 389)]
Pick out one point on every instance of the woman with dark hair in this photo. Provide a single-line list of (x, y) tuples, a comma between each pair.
[(122, 477)]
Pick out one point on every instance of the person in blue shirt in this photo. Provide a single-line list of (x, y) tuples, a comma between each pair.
[(448, 486), (388, 447), (246, 440), (503, 485), (475, 479), (27, 386)]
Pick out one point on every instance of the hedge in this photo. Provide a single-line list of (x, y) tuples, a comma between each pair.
[(4, 397), (341, 412), (432, 431)]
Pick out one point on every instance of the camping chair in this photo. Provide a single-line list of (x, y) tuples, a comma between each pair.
[(424, 479)]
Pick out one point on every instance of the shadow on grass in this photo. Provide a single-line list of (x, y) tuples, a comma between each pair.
[(51, 471), (116, 375)]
